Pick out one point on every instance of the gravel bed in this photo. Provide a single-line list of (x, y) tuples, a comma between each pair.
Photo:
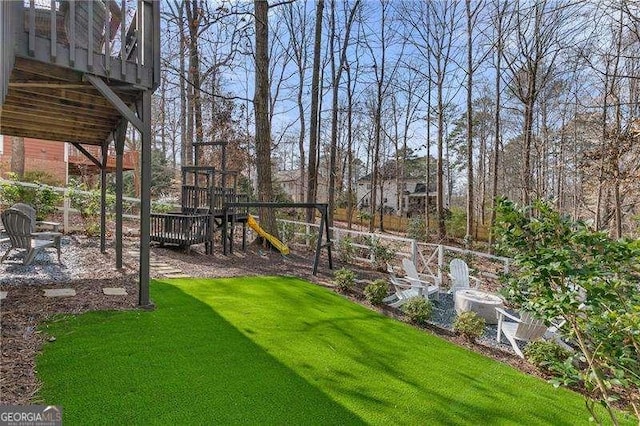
[(444, 314)]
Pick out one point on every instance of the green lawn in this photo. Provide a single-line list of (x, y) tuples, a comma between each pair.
[(275, 350)]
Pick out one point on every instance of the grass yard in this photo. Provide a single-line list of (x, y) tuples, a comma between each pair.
[(277, 350)]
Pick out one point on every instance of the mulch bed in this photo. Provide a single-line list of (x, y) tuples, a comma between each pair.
[(87, 271)]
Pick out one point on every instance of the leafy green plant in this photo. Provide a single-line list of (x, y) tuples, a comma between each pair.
[(346, 249), (344, 279), (363, 217), (417, 228), (160, 207), (376, 291), (380, 254), (43, 198), (287, 231), (565, 272), (550, 357), (469, 325), (88, 202), (418, 310), (456, 222)]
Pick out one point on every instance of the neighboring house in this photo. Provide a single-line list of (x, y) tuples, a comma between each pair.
[(412, 198), (56, 159), (291, 182)]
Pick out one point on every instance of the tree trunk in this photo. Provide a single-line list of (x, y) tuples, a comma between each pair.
[(17, 156), (336, 77), (313, 119), (193, 18), (470, 232), (261, 107)]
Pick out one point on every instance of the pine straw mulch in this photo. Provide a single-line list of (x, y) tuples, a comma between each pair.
[(26, 307)]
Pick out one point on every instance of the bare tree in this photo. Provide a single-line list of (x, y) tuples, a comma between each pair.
[(295, 18), (261, 107), (536, 41), (336, 77), (499, 22), (313, 121)]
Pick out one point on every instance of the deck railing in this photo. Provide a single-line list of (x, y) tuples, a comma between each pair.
[(180, 229), (7, 44), (130, 159), (118, 39)]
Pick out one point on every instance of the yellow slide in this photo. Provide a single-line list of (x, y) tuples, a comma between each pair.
[(273, 240)]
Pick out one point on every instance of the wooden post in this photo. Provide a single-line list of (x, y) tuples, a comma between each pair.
[(119, 143), (103, 198), (440, 262), (145, 199)]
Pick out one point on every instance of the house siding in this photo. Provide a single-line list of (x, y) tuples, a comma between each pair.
[(39, 155)]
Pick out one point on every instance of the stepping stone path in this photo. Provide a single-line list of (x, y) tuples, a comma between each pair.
[(114, 291), (59, 292), (161, 268), (157, 267)]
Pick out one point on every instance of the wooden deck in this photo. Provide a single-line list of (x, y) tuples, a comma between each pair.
[(80, 71), (44, 91)]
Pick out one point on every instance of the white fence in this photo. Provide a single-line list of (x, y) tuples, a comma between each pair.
[(430, 259)]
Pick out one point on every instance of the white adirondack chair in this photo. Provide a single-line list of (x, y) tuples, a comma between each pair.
[(526, 328), (459, 275), (403, 290), (430, 288), (21, 231)]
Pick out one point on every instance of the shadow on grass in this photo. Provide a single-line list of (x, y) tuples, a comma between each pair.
[(180, 364), (384, 371)]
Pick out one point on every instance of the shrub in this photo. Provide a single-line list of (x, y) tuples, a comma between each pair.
[(161, 207), (344, 279), (566, 272), (287, 231), (87, 202), (42, 198), (548, 356), (418, 310), (381, 254), (346, 250), (417, 228), (469, 325), (376, 291), (456, 223)]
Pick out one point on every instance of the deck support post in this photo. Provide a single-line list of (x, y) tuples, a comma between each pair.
[(144, 111), (120, 134), (103, 198)]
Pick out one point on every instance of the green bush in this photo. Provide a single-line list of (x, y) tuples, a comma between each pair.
[(287, 231), (376, 291), (42, 198), (469, 325), (160, 207), (548, 356), (344, 279), (564, 271), (88, 202), (381, 254), (346, 250), (44, 178), (418, 310), (456, 223), (417, 228)]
